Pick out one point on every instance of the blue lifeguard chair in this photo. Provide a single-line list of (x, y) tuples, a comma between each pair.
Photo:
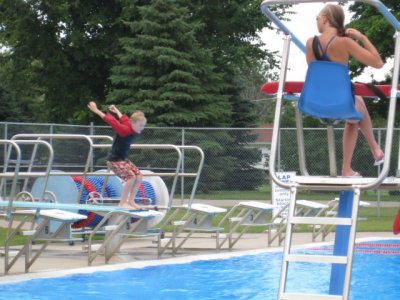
[(327, 95), (327, 92)]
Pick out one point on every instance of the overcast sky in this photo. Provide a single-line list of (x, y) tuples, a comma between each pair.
[(303, 25)]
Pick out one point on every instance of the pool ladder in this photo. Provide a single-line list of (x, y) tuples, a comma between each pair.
[(338, 261)]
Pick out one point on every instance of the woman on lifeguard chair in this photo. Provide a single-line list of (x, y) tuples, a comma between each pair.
[(337, 44)]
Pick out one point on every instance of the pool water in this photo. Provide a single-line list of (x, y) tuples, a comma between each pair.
[(376, 275)]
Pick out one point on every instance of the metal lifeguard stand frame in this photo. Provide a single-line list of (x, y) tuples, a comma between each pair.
[(349, 188)]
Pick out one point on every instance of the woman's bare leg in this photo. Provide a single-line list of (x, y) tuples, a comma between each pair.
[(366, 128), (350, 136)]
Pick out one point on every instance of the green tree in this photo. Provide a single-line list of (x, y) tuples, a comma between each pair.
[(165, 72), (231, 31), (72, 44), (183, 63), (163, 44), (68, 47), (19, 97), (370, 21)]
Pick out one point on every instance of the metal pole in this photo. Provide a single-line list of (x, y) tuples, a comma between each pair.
[(278, 113), (183, 168), (4, 180), (379, 171), (91, 130), (279, 151)]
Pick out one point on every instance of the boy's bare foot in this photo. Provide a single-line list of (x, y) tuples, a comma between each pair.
[(351, 173), (126, 206), (134, 205)]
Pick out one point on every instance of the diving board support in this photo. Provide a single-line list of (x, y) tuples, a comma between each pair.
[(119, 225), (118, 229), (247, 214), (198, 218), (40, 233)]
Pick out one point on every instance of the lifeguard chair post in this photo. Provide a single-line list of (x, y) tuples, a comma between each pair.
[(349, 188)]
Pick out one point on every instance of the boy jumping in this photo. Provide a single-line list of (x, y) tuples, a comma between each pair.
[(127, 130)]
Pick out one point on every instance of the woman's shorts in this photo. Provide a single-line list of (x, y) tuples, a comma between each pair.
[(124, 169)]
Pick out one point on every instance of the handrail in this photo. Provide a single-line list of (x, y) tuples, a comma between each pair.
[(92, 145), (90, 139), (16, 170), (154, 146), (50, 136), (277, 117), (393, 94), (15, 174), (199, 169)]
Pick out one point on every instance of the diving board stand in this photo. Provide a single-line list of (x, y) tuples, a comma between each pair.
[(30, 211), (41, 233), (118, 228), (118, 223), (51, 221), (198, 217), (247, 214), (330, 211), (348, 188)]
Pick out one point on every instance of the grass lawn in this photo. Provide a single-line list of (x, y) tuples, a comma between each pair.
[(18, 240)]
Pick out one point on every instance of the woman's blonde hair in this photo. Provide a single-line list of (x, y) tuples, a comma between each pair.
[(138, 116), (335, 16)]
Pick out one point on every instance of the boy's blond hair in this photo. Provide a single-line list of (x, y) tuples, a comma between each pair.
[(138, 116)]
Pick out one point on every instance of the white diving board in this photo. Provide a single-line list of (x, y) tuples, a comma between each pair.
[(205, 208), (88, 207)]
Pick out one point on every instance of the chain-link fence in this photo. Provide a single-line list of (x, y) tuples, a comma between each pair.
[(236, 159), (316, 149)]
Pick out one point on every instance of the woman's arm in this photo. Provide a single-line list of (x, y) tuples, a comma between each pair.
[(368, 54)]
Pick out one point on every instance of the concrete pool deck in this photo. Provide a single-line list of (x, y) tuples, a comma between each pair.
[(63, 257)]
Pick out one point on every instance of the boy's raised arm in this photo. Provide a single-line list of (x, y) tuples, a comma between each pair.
[(93, 107)]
